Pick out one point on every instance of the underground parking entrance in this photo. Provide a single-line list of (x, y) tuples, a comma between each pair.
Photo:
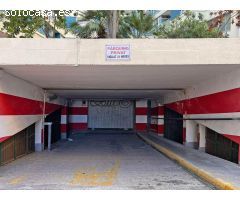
[(80, 113)]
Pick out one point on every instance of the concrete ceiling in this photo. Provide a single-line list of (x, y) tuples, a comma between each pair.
[(116, 81)]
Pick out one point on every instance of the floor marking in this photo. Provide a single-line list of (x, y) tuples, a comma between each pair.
[(91, 178), (17, 180)]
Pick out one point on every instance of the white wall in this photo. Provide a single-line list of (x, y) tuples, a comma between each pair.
[(143, 51)]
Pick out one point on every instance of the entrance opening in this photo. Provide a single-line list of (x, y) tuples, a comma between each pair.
[(55, 118), (173, 125)]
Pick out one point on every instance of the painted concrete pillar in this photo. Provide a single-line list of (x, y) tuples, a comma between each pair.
[(202, 137), (160, 121), (78, 116), (191, 134), (38, 135), (141, 115), (64, 122)]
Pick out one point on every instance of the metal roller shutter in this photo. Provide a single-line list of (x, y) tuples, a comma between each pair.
[(220, 146), (173, 125), (110, 114)]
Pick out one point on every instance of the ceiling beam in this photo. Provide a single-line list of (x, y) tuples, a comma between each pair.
[(118, 89)]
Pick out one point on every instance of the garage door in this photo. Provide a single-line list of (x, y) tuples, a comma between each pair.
[(110, 114), (173, 125), (220, 146)]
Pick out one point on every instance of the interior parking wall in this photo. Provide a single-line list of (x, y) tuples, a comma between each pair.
[(22, 104), (215, 98)]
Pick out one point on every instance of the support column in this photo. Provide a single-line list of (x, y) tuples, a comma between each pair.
[(38, 136), (141, 112), (160, 121), (191, 134), (64, 122), (202, 137)]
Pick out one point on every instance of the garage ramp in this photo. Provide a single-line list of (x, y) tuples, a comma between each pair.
[(98, 160)]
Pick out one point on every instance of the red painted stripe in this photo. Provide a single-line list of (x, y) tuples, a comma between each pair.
[(234, 138), (161, 110), (141, 111), (79, 111), (64, 110), (63, 128), (160, 129), (13, 105), (154, 127), (140, 126), (157, 111), (157, 128), (154, 111), (51, 107), (221, 102), (4, 138), (78, 126)]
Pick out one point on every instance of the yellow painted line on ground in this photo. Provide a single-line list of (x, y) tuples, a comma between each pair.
[(208, 177), (90, 177), (17, 180)]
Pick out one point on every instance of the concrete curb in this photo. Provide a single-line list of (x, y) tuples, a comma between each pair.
[(208, 177)]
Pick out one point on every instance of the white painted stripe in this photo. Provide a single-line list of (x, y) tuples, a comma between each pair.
[(78, 103), (160, 121), (141, 103), (141, 119), (12, 124), (154, 121), (157, 116), (63, 119), (157, 121), (215, 115), (222, 126), (14, 86), (78, 118), (17, 87)]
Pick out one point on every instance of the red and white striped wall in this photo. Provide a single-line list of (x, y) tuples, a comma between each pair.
[(224, 104), (215, 98), (141, 115), (78, 116), (21, 105), (64, 121), (157, 111)]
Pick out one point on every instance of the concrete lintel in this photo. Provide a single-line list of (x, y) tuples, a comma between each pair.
[(143, 51)]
